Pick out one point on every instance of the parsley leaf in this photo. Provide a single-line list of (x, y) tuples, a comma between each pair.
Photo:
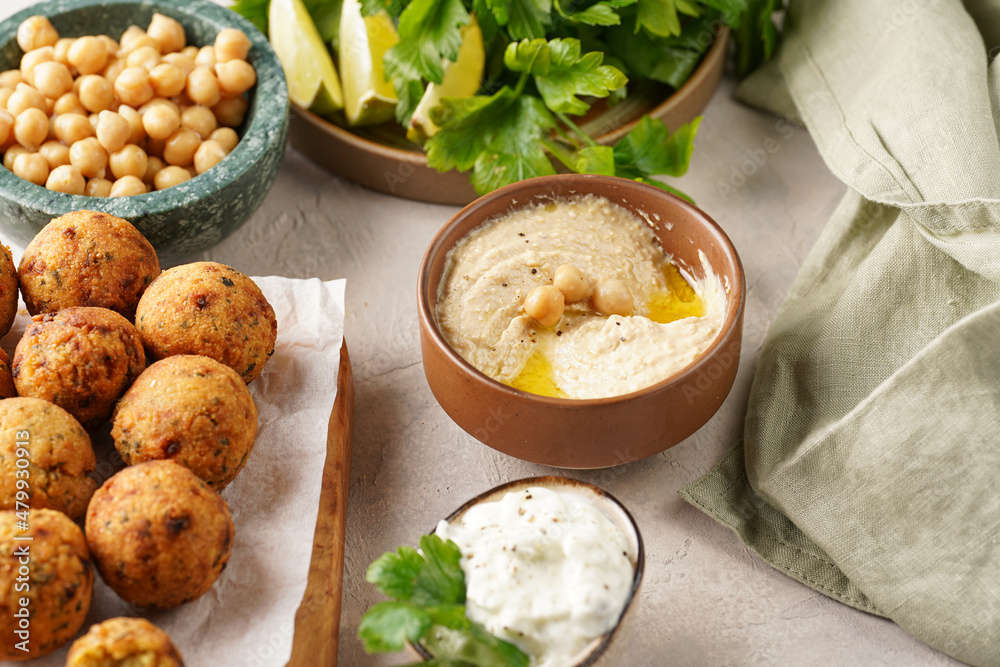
[(429, 34), (392, 7), (523, 19), (394, 573), (561, 73), (387, 626), (475, 646), (468, 124), (600, 13), (515, 152), (756, 35), (441, 580), (650, 149), (595, 160)]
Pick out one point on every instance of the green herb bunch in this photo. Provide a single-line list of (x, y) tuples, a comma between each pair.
[(546, 62), (427, 588)]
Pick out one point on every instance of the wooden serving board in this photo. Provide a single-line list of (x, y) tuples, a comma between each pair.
[(317, 621)]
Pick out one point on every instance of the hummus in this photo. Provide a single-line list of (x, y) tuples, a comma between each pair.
[(544, 570), (586, 354)]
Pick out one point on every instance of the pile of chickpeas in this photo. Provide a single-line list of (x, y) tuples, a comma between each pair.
[(92, 116)]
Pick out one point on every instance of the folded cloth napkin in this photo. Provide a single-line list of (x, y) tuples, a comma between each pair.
[(870, 464)]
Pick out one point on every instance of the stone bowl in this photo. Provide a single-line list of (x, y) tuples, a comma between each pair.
[(194, 215), (599, 432), (607, 649)]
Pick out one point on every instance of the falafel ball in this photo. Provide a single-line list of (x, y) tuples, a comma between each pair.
[(52, 572), (124, 642), (80, 358), (209, 309), (59, 453), (8, 290), (87, 258), (160, 535), (190, 409), (7, 389)]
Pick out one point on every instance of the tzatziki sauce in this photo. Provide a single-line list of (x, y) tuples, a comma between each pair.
[(545, 570)]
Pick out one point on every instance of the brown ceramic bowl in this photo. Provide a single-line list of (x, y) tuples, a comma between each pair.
[(380, 158), (606, 649), (587, 433)]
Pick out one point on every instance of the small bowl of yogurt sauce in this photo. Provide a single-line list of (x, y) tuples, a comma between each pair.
[(552, 565)]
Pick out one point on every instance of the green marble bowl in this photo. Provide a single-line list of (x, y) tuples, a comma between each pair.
[(194, 215)]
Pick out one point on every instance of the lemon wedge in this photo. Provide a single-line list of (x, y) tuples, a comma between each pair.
[(368, 98), (461, 79), (309, 70)]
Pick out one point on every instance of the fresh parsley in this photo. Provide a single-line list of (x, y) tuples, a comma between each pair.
[(428, 608)]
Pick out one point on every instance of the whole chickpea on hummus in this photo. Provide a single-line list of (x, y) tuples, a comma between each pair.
[(575, 298)]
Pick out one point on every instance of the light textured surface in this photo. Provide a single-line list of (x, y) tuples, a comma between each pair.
[(706, 599)]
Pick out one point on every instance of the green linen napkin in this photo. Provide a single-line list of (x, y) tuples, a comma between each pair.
[(870, 464)]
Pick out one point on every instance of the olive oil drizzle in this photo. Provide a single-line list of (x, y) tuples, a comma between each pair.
[(679, 301)]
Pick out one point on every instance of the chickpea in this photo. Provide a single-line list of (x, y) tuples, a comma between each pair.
[(88, 55), (181, 61), (612, 297), (225, 137), (160, 122), (145, 57), (230, 111), (134, 121), (55, 153), (31, 127), (208, 155), (95, 92), (133, 86), (202, 87), (167, 32), (36, 32), (192, 172), (131, 160), (69, 103), (159, 102), (168, 80), (89, 157), (113, 69), (571, 282), (60, 52), (112, 130), (32, 59), (53, 79), (190, 51), (545, 305), (235, 76), (128, 186), (6, 123), (31, 167), (141, 43), (23, 98), (205, 57), (231, 44), (180, 148), (98, 187), (95, 120), (110, 45), (11, 155), (168, 177), (10, 79), (154, 165), (71, 128), (200, 119), (131, 34), (66, 178)]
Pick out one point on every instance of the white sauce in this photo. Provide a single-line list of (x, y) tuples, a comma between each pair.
[(544, 570)]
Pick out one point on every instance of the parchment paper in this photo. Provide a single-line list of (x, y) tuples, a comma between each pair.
[(247, 618)]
